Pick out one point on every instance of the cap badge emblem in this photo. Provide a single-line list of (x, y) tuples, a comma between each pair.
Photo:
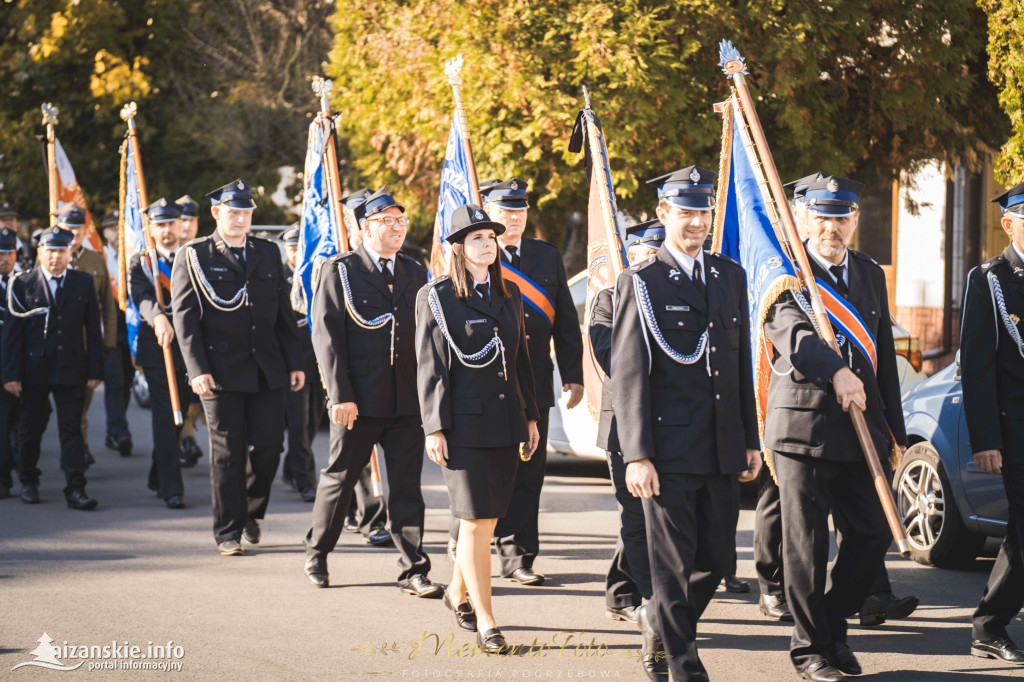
[(514, 185), (241, 185), (163, 202), (479, 215), (694, 176), (833, 186)]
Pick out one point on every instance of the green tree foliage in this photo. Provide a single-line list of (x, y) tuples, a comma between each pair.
[(858, 87), (223, 91), (1006, 69)]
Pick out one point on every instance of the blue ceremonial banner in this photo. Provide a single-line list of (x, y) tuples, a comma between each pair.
[(454, 193), (749, 238), (133, 241), (321, 221)]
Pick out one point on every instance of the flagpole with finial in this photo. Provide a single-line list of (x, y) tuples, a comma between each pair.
[(733, 64), (128, 112), (452, 69), (50, 121), (322, 87), (598, 153)]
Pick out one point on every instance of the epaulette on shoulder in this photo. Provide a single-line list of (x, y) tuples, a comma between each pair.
[(646, 263), (722, 257), (208, 239), (992, 262), (542, 242), (863, 256), (438, 280)]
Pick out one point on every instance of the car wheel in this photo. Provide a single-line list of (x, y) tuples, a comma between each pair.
[(937, 534), (140, 389)]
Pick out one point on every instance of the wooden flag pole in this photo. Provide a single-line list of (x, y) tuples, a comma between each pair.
[(732, 64), (452, 69), (50, 120), (611, 227), (128, 116), (322, 87)]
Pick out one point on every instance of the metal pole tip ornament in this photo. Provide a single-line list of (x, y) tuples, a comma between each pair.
[(322, 86), (586, 96), (49, 114), (729, 59), (452, 69), (128, 111)]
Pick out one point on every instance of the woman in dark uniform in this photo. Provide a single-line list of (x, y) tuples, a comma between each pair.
[(477, 403)]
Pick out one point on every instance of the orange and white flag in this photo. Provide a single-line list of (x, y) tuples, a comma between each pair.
[(68, 192)]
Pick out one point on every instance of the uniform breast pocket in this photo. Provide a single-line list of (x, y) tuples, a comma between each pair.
[(266, 273), (221, 275), (368, 302), (681, 327), (732, 327)]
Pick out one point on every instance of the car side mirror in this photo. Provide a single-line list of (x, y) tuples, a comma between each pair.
[(956, 374)]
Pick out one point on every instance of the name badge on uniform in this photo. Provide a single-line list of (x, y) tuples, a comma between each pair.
[(677, 308), (482, 320), (216, 269)]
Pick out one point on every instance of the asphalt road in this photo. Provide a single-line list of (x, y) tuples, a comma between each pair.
[(135, 572)]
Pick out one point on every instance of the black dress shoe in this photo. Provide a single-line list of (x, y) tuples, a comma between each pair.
[(184, 461), (846, 661), (1002, 648), (775, 607), (175, 502), (5, 491), (316, 570), (77, 499), (493, 642), (419, 585), (30, 494), (465, 616), (625, 613), (652, 649), (379, 537), (527, 576), (252, 533), (308, 494), (191, 448), (734, 585), (822, 671), (350, 524), (89, 459), (884, 606), (124, 446)]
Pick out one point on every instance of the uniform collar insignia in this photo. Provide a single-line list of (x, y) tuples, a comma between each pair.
[(674, 274), (714, 272)]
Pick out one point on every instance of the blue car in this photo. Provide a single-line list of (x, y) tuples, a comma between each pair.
[(949, 506)]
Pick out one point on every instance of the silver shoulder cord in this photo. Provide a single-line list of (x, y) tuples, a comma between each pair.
[(465, 359), (35, 312), (1000, 304), (647, 319), (203, 286), (375, 323)]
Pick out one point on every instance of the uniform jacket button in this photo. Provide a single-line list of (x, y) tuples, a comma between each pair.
[(501, 375), (495, 329), (526, 314), (501, 396), (716, 372), (718, 397), (712, 349), (681, 324), (711, 325), (527, 337)]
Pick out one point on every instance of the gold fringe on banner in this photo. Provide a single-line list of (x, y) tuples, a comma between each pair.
[(724, 162)]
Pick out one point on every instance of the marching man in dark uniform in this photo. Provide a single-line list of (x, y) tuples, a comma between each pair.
[(9, 404), (818, 460), (237, 333), (363, 317), (536, 268), (52, 345), (189, 451), (629, 577), (306, 407), (156, 332), (992, 369), (682, 382)]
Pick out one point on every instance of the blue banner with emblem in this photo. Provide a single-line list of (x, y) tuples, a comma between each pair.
[(320, 224), (454, 193), (132, 241)]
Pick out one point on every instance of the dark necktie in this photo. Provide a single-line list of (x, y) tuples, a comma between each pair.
[(837, 272), (513, 256), (59, 290), (485, 291), (385, 270), (239, 252), (697, 281)]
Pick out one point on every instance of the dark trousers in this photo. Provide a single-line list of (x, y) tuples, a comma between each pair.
[(371, 513), (165, 471), (35, 411), (1004, 594), (808, 489), (403, 442), (691, 539), (9, 407), (246, 440), (629, 577), (516, 535), (305, 411), (118, 373)]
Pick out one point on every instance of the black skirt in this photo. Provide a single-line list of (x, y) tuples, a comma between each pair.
[(480, 480)]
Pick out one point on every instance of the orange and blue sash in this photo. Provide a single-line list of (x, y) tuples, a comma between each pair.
[(533, 294), (165, 273), (847, 320)]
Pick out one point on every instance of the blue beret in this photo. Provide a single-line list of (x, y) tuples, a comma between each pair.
[(833, 196), (1012, 199), (691, 188), (55, 238), (71, 217), (162, 211), (237, 194), (509, 194), (651, 233)]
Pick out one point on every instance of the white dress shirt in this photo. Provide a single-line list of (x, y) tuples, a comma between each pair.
[(686, 262), (827, 264), (376, 259)]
